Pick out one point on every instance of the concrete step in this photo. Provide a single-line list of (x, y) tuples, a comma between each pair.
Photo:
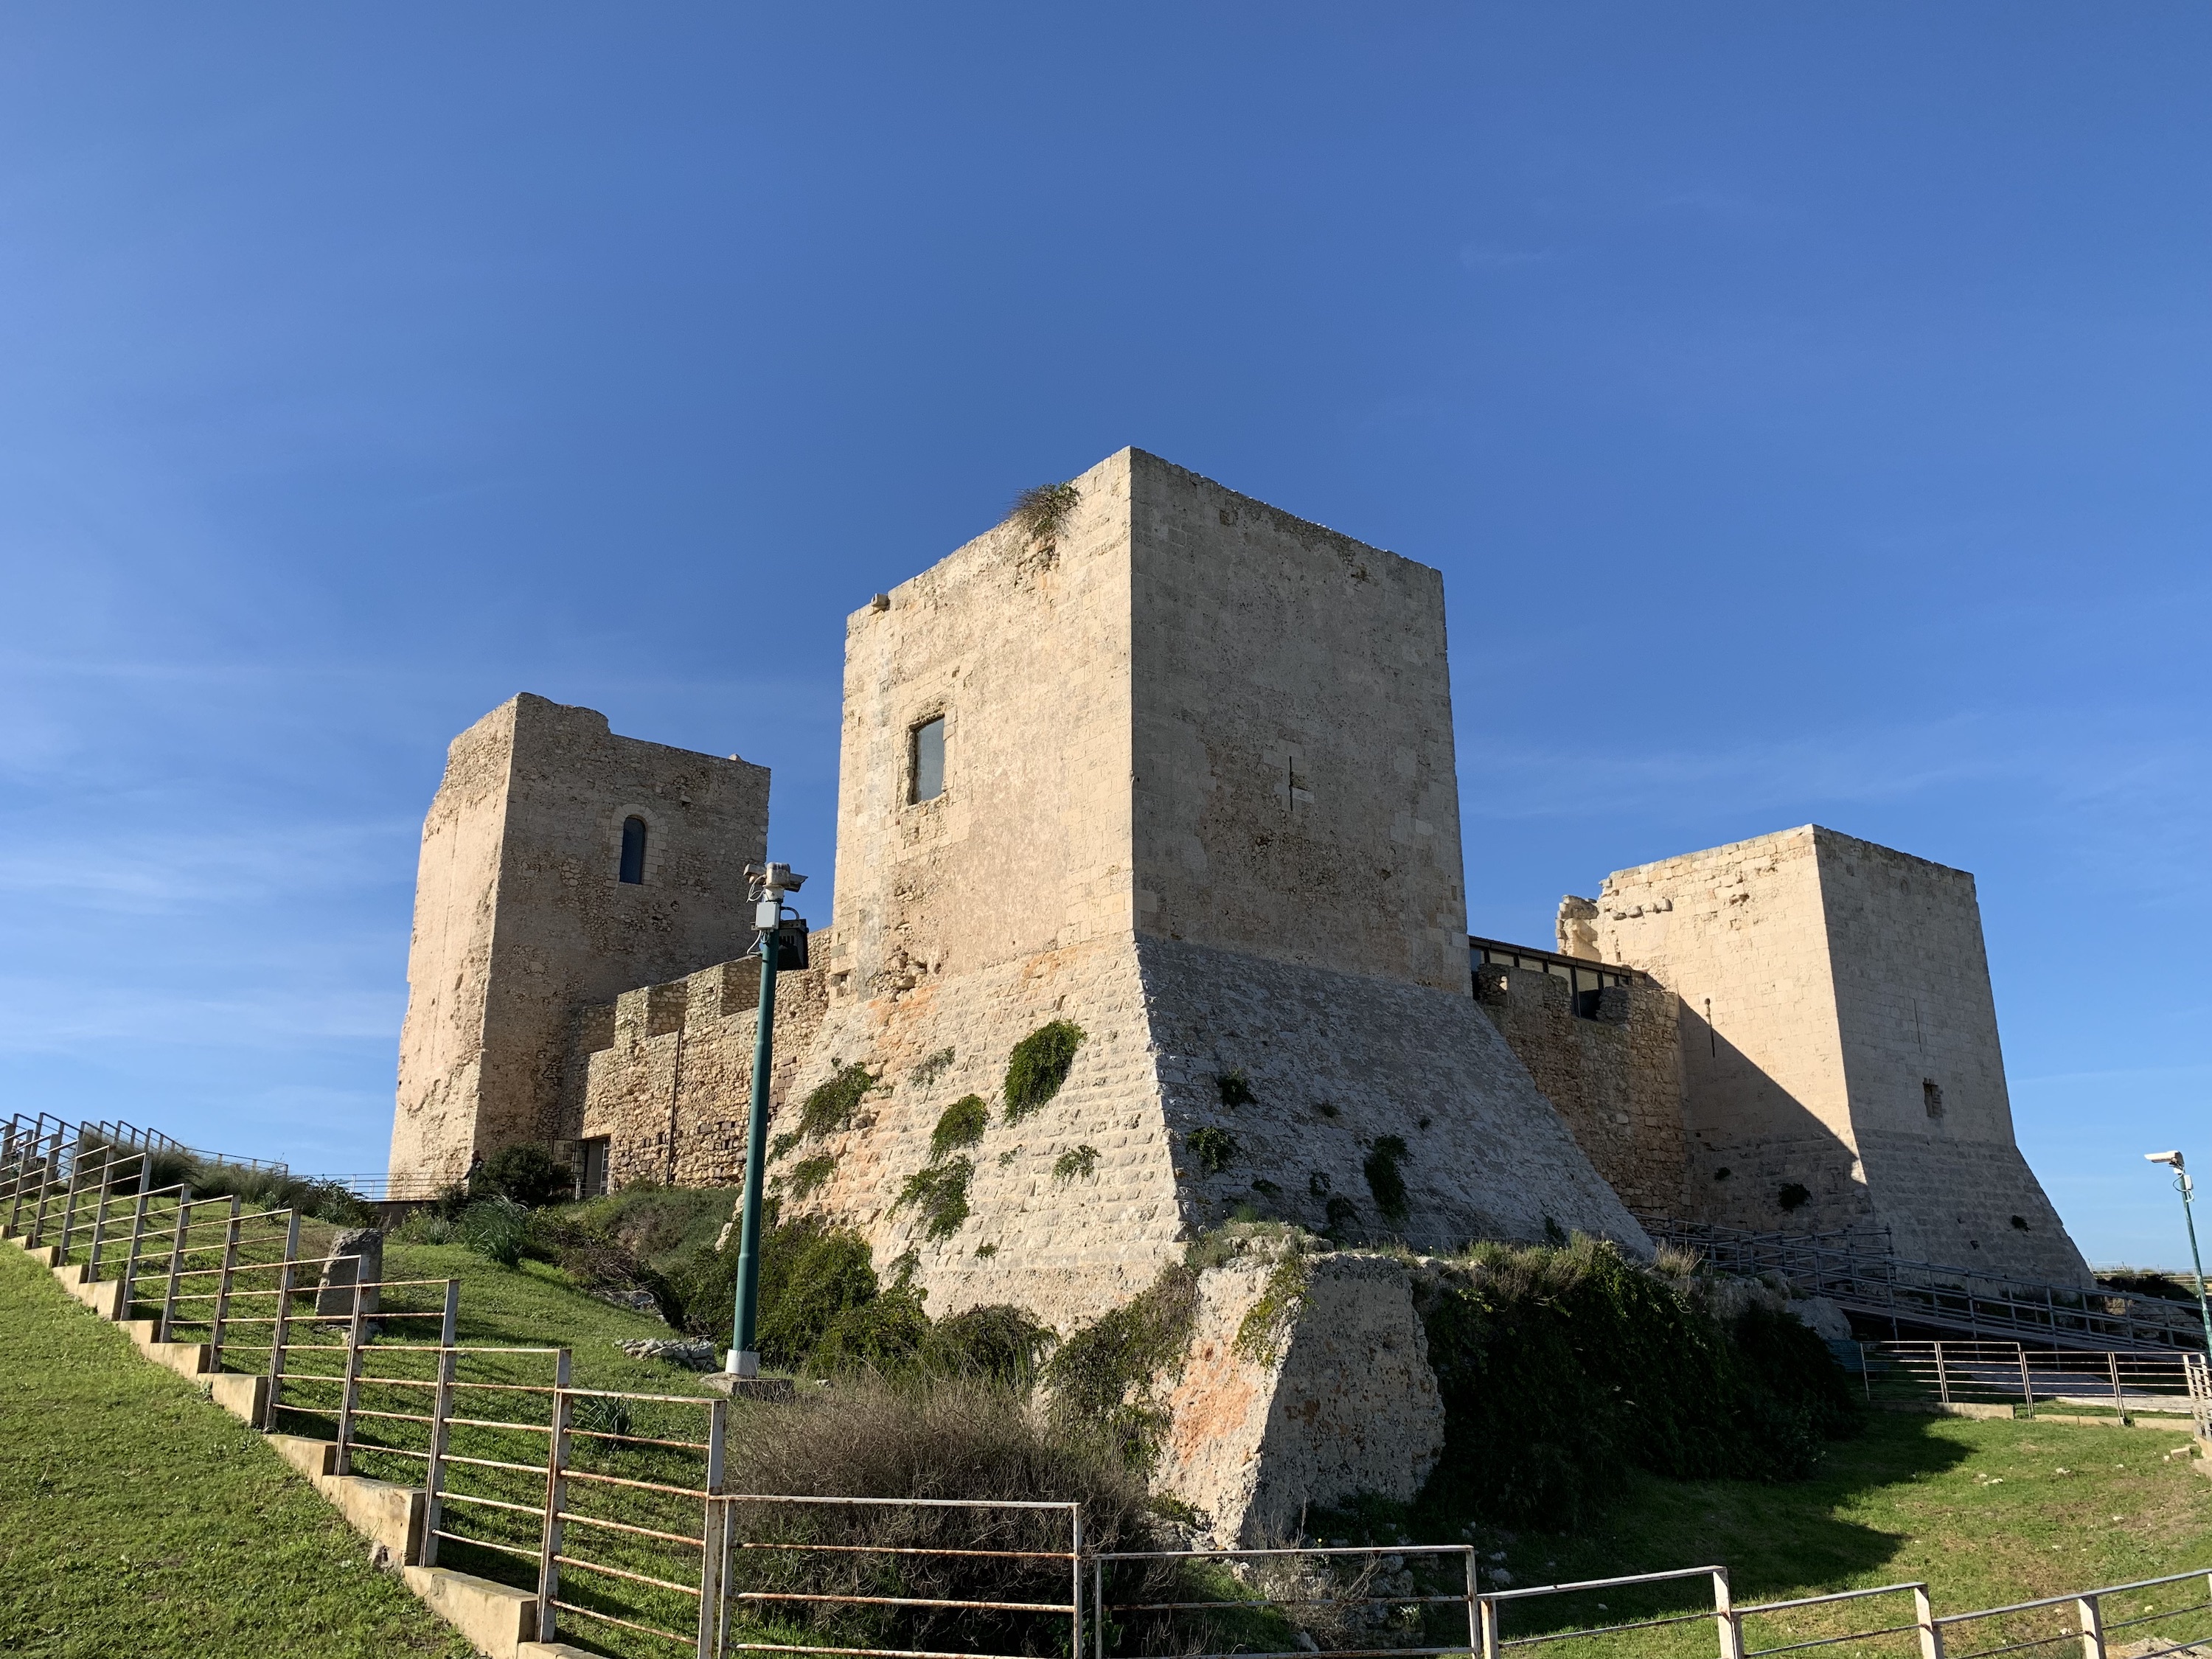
[(497, 1617)]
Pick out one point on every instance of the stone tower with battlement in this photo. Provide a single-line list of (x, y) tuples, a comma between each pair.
[(1840, 1067), (560, 864)]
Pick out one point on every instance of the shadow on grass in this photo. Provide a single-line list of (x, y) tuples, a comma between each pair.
[(1775, 1539)]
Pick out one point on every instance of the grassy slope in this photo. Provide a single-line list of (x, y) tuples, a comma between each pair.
[(1979, 1510), (137, 1517), (537, 1305)]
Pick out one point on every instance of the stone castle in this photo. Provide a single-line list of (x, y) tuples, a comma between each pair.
[(1164, 765)]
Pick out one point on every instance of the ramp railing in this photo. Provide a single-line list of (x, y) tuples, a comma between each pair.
[(1856, 1272)]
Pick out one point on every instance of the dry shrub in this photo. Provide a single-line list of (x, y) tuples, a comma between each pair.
[(870, 1437)]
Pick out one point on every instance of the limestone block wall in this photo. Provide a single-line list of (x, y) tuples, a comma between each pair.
[(1337, 1061), (1840, 1045), (1334, 1061), (665, 1072), (1067, 1246), (520, 916), (1616, 1080), (1334, 1401), (1738, 935), (1296, 793)]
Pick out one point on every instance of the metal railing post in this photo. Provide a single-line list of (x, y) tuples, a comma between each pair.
[(1725, 1616), (710, 1555), (222, 1286), (1923, 1615), (2092, 1617), (131, 1256), (2026, 1388), (1943, 1377), (46, 1186), (99, 1218), (433, 1481), (69, 1208), (176, 1265), (280, 1327), (1488, 1631), (350, 1394), (1479, 1639), (2120, 1400), (557, 1498), (1075, 1575)]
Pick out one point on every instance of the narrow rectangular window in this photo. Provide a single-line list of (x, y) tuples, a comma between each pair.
[(928, 760), (632, 851), (1931, 1096)]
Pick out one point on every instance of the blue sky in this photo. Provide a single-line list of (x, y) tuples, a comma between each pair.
[(1807, 405)]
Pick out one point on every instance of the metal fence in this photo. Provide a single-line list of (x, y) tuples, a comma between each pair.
[(830, 1575), (2127, 1383), (1406, 1599), (1857, 1271)]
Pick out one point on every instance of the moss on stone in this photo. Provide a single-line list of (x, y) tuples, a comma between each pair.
[(1268, 1323), (1077, 1160), (1235, 1089)]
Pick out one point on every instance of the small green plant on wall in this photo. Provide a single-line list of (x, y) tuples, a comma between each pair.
[(961, 1124), (1077, 1160), (1038, 1066), (932, 1067), (1040, 511), (938, 1193), (1383, 1179), (1212, 1147), (832, 1106), (809, 1174), (1235, 1089)]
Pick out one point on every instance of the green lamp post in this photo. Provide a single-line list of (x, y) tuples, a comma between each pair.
[(770, 882), (2182, 1185)]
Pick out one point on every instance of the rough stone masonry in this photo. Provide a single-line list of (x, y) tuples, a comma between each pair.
[(1174, 768)]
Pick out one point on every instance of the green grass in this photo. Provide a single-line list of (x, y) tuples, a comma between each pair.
[(534, 1305), (1979, 1510), (137, 1517)]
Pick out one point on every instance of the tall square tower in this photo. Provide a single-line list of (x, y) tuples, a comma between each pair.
[(1840, 1061), (1175, 770), (560, 864)]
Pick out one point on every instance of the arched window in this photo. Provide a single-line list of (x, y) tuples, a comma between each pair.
[(633, 859)]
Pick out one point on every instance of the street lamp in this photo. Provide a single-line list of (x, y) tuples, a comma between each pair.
[(2187, 1189), (769, 883)]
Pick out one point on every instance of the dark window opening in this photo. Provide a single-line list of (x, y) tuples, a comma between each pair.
[(1723, 1173), (928, 760), (594, 1182), (633, 857), (1931, 1096), (1794, 1196)]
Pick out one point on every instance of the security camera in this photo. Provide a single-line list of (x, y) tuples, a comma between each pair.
[(2174, 1158)]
